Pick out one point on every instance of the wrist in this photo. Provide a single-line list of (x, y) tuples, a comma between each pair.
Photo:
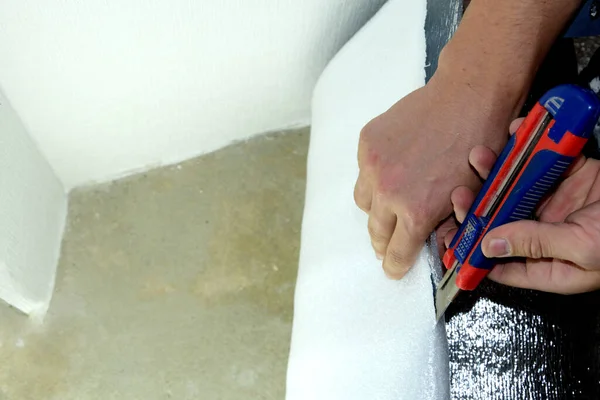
[(498, 48), (500, 92)]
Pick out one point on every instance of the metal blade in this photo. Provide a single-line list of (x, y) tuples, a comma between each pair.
[(446, 291)]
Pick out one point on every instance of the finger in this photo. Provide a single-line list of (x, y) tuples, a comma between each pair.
[(546, 275), (482, 159), (511, 274), (382, 222), (535, 240), (539, 212), (594, 192), (462, 197), (449, 236), (363, 193), (577, 164), (412, 229), (514, 126), (448, 225), (402, 252), (572, 194)]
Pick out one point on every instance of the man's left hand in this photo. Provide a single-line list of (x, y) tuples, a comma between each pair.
[(561, 250)]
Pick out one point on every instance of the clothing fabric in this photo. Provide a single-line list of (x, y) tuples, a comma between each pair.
[(587, 21)]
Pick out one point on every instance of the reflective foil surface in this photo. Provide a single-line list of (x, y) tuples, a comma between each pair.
[(508, 343)]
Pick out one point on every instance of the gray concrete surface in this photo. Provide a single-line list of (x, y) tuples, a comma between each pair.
[(173, 284)]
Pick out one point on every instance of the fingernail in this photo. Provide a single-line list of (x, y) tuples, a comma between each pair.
[(379, 256), (498, 248), (395, 273), (392, 276)]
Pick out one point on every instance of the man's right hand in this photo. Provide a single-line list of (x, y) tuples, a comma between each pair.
[(412, 157)]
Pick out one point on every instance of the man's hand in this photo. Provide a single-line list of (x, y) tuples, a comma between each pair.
[(562, 249), (413, 156)]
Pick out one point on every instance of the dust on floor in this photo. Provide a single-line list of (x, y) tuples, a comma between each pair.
[(173, 284)]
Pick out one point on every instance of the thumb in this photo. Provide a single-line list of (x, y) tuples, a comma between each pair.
[(533, 239)]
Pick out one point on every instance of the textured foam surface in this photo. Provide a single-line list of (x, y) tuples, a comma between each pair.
[(358, 335)]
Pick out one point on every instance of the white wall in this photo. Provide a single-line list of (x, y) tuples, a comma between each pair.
[(33, 206), (109, 87)]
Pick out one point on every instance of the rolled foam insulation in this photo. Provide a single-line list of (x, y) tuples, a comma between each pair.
[(356, 334), (33, 207)]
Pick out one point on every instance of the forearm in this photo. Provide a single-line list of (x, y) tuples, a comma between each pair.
[(499, 46)]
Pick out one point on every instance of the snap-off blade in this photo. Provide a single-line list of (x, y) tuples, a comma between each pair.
[(446, 291)]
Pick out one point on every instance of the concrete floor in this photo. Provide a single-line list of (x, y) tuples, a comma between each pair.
[(173, 284)]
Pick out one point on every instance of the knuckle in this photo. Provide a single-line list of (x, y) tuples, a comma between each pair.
[(357, 199), (365, 132), (396, 258), (380, 249), (370, 129), (368, 147), (396, 264), (534, 247), (377, 237), (360, 199), (414, 218), (390, 179)]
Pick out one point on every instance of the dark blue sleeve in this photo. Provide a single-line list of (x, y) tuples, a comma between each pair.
[(587, 21)]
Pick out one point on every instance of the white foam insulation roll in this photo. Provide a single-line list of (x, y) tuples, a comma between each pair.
[(358, 335)]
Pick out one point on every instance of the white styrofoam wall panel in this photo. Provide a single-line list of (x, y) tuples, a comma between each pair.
[(106, 88), (33, 207)]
